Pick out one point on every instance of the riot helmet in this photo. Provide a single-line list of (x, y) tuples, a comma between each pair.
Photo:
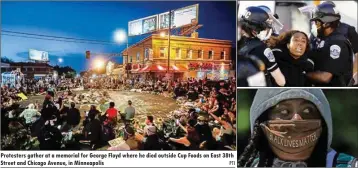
[(326, 13), (256, 23)]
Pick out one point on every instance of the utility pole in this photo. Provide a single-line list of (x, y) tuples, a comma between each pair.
[(169, 29), (127, 56)]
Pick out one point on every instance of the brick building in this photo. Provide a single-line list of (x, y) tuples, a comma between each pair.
[(189, 57), (30, 69)]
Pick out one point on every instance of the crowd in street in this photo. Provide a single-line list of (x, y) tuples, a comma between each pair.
[(206, 119)]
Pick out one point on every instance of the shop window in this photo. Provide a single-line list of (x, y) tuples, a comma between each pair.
[(222, 55), (178, 53), (211, 55), (146, 54), (200, 54), (138, 56), (162, 52), (130, 59)]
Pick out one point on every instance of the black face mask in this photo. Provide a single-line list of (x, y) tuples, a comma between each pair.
[(321, 29)]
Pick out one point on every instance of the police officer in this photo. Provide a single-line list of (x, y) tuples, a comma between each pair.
[(351, 34), (257, 26), (347, 30), (332, 53)]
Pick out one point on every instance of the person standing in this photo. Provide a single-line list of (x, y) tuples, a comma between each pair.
[(332, 53), (290, 50), (257, 26)]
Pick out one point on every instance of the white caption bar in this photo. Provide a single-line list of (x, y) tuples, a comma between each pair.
[(118, 159)]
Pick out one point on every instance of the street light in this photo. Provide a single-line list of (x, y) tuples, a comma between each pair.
[(98, 64), (120, 36), (60, 60), (162, 34)]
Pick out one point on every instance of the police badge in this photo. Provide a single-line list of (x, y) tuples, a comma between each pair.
[(335, 51)]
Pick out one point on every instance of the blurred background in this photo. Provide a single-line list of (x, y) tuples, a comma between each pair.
[(344, 110), (292, 19)]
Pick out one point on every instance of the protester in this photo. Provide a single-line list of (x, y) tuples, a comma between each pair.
[(290, 50), (191, 140), (129, 112), (151, 141), (112, 113), (94, 132), (73, 115), (283, 116), (29, 114), (50, 136)]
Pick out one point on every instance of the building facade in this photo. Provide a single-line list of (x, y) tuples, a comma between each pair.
[(189, 57), (30, 69)]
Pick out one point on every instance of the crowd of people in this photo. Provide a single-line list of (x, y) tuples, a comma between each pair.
[(206, 118), (268, 57)]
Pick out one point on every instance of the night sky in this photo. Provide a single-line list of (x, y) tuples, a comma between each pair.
[(96, 21)]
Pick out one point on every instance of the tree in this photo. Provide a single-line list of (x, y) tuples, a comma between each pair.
[(5, 59), (68, 71)]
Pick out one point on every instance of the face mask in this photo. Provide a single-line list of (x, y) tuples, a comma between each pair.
[(292, 140), (201, 123), (264, 35), (314, 30)]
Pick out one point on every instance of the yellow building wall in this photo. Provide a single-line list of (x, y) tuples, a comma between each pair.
[(194, 46), (141, 49)]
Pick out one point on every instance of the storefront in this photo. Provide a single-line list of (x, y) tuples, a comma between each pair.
[(210, 70)]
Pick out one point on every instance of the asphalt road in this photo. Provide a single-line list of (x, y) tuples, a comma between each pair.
[(144, 103)]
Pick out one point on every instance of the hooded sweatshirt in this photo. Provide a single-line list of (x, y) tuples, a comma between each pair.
[(267, 98)]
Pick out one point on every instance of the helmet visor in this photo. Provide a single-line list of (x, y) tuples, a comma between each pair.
[(275, 24), (308, 10)]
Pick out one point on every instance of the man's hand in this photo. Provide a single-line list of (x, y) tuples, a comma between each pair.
[(321, 77)]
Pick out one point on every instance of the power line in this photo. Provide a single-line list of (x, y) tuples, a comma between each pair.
[(59, 40), (54, 39), (50, 36)]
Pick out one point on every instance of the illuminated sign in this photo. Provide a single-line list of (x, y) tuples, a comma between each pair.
[(38, 55), (143, 26), (179, 18)]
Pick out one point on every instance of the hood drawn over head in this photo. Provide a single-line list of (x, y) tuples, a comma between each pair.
[(267, 98)]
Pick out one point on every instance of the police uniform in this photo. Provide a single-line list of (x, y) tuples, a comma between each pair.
[(348, 31), (256, 18), (332, 54)]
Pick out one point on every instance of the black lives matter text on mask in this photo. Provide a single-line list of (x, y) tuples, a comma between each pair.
[(293, 143)]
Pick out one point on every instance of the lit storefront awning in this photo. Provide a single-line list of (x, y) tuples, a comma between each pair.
[(162, 68)]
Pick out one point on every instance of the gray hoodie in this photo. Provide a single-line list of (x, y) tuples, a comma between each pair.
[(267, 98)]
